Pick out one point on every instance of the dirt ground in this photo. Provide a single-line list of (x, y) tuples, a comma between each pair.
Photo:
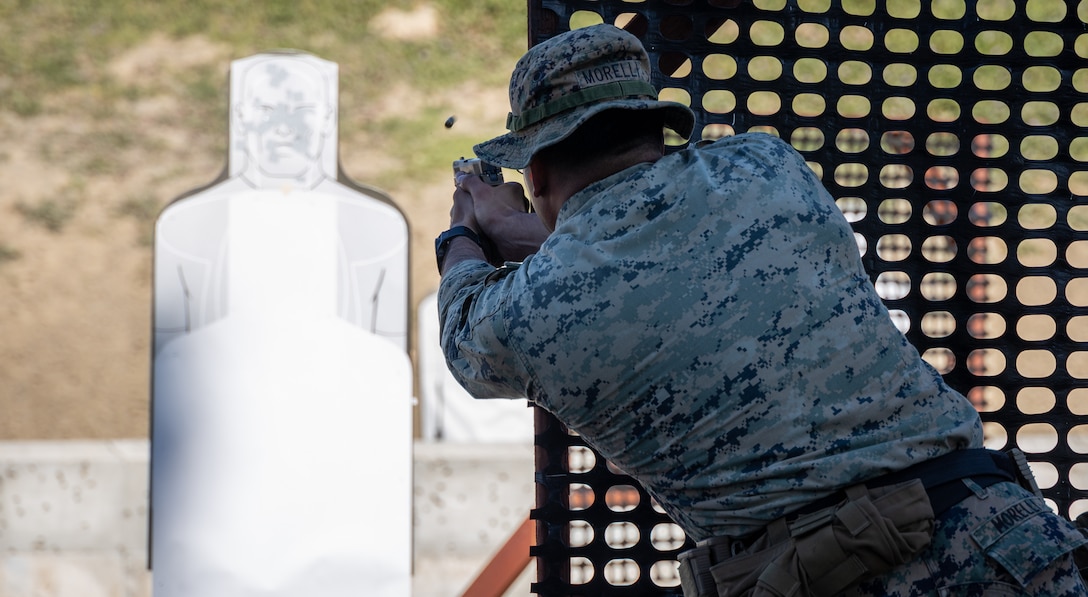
[(75, 229)]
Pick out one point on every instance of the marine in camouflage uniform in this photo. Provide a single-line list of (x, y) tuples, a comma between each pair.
[(703, 321)]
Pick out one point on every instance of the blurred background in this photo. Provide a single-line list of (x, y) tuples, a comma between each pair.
[(111, 110)]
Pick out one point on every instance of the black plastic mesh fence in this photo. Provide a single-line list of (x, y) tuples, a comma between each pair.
[(952, 135)]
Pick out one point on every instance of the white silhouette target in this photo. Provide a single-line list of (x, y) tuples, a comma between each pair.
[(281, 427)]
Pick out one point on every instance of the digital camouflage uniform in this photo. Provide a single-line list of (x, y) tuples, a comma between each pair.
[(705, 323)]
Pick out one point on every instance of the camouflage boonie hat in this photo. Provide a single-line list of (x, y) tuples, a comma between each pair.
[(560, 83)]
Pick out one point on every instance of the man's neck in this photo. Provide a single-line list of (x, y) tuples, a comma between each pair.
[(605, 167)]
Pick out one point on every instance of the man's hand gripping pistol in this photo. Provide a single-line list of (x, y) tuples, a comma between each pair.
[(492, 175)]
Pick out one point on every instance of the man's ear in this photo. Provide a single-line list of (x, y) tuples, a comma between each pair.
[(538, 178)]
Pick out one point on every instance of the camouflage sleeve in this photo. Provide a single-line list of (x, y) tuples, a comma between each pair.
[(472, 310)]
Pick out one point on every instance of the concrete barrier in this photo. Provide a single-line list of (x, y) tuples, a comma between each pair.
[(73, 516)]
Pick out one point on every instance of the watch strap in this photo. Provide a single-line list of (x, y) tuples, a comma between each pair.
[(441, 244)]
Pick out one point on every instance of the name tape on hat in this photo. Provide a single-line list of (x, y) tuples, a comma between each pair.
[(628, 70)]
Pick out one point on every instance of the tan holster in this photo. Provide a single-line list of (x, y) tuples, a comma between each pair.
[(822, 553)]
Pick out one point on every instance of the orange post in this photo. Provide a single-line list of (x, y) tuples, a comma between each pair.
[(506, 565)]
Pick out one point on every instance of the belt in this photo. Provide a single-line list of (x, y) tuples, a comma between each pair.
[(941, 478)]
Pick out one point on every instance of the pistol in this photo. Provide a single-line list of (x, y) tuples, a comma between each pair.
[(491, 173)]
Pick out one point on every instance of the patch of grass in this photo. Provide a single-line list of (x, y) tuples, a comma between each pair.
[(21, 103), (8, 254), (144, 210), (87, 152), (203, 100), (52, 214), (95, 153), (97, 164), (421, 144), (206, 85), (49, 47)]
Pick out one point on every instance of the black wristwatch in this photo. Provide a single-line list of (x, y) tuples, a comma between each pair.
[(442, 243)]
